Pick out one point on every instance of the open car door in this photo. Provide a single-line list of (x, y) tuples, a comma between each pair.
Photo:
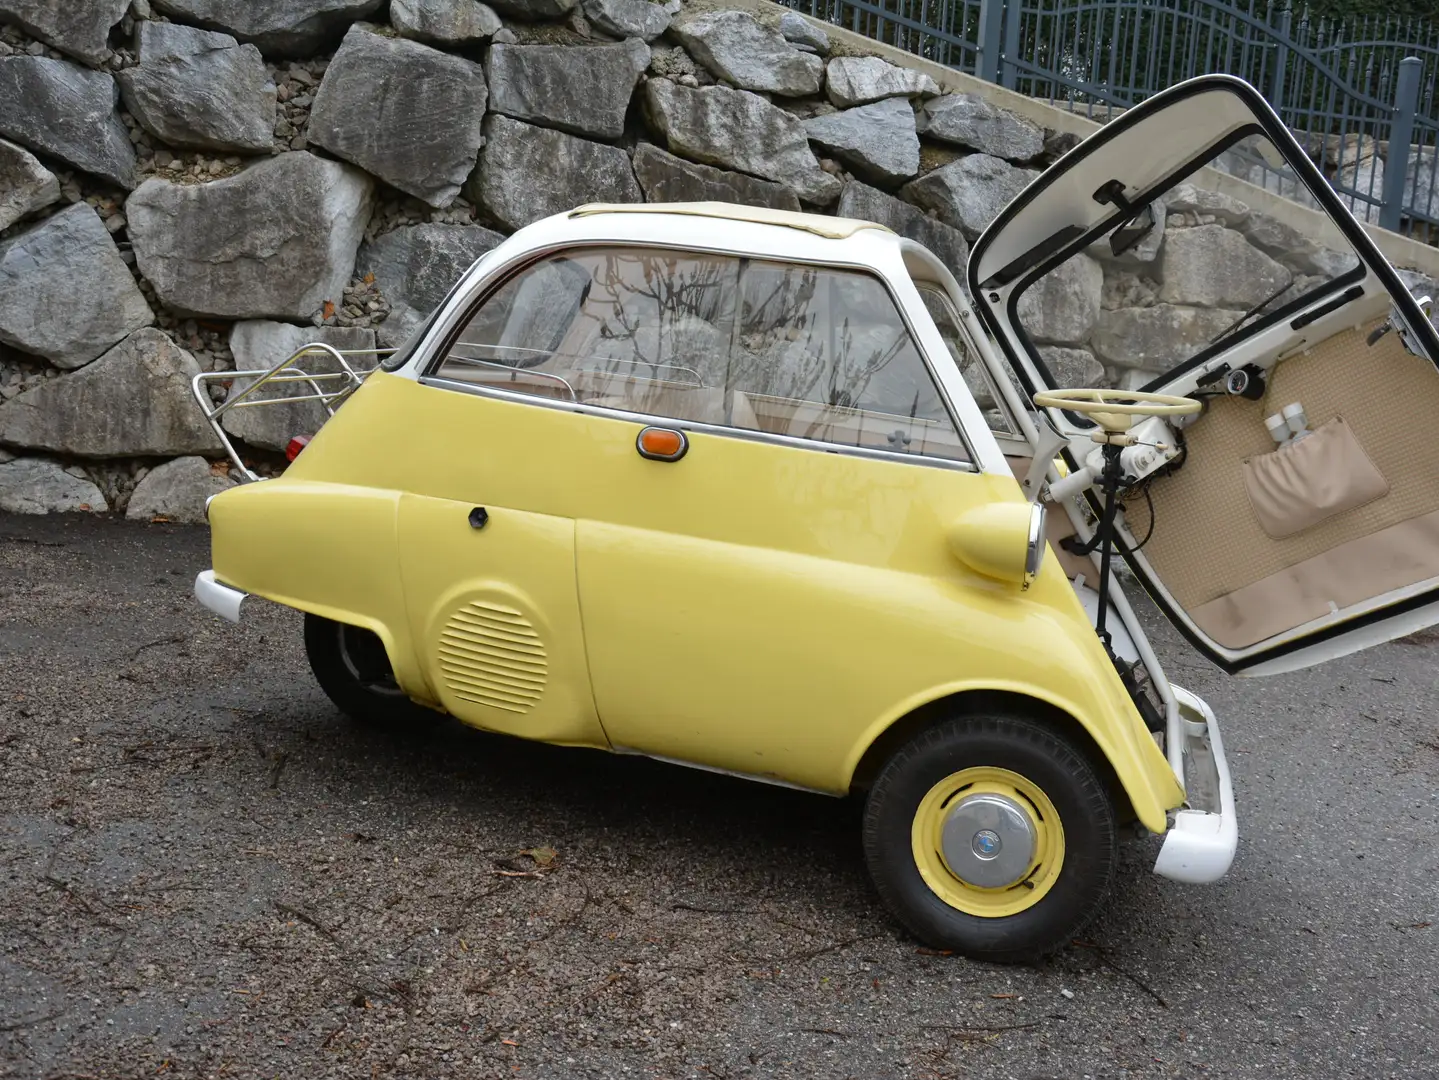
[(1296, 517)]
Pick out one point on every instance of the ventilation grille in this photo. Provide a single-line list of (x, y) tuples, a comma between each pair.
[(492, 656)]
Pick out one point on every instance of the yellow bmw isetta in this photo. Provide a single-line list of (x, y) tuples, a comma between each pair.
[(773, 494)]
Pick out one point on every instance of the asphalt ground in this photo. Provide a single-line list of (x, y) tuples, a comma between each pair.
[(205, 871)]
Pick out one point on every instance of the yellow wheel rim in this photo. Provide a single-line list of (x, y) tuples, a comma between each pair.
[(1024, 802)]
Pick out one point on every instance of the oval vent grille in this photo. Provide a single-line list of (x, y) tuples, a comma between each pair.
[(492, 656)]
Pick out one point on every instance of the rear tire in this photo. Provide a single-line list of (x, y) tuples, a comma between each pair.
[(353, 669), (1049, 857)]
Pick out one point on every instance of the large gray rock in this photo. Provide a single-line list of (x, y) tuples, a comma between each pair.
[(1421, 183), (1366, 180), (534, 10), (1205, 207), (65, 293), (1062, 306), (1293, 249), (135, 401), (416, 266), (1072, 367), (260, 345), (42, 486), (628, 18), (800, 31), (969, 193), (876, 141), (527, 173), (1155, 338), (275, 241), (584, 90), (67, 112), (738, 130), (25, 185), (405, 112), (1211, 266), (78, 27), (668, 179), (177, 491), (279, 27), (969, 120), (868, 204), (199, 88), (737, 48), (858, 80), (444, 22)]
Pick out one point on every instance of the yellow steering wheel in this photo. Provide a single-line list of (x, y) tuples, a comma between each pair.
[(1115, 410)]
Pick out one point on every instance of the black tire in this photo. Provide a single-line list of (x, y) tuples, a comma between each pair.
[(353, 670), (1046, 759)]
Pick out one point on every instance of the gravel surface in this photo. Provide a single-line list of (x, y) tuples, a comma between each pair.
[(206, 872)]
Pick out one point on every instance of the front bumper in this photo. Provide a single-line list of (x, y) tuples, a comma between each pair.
[(221, 599), (1199, 847)]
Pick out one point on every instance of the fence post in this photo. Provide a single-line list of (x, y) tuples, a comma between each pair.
[(1401, 134), (1281, 62), (991, 34), (1008, 73)]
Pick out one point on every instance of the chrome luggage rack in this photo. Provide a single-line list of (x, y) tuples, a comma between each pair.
[(349, 378)]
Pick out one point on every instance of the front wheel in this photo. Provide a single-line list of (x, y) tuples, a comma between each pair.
[(353, 669), (992, 836)]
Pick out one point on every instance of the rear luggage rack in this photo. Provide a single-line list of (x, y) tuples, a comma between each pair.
[(348, 378)]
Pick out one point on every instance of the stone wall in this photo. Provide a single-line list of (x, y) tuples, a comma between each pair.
[(205, 185)]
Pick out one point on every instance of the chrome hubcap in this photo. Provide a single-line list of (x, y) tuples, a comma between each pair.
[(988, 841)]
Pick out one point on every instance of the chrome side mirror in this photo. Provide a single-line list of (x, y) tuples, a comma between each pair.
[(1038, 545)]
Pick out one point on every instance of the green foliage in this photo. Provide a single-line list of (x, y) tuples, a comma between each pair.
[(1359, 9)]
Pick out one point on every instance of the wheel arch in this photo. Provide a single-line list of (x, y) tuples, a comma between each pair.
[(980, 701)]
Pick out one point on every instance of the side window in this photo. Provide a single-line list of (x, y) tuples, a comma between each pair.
[(976, 376), (786, 349)]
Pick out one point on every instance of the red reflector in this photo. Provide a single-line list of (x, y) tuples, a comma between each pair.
[(298, 443)]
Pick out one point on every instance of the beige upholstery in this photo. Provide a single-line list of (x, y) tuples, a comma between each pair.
[(1324, 474), (1209, 543), (1348, 574)]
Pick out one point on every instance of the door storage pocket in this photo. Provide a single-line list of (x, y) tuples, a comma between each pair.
[(1324, 474)]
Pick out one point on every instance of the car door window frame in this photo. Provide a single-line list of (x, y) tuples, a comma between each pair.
[(429, 372), (1078, 245)]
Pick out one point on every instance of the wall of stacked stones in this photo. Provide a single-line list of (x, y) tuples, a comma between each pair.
[(207, 185)]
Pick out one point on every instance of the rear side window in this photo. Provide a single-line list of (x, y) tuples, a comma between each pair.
[(786, 349)]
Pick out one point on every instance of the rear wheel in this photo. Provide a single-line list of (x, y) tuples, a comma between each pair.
[(353, 669), (993, 836)]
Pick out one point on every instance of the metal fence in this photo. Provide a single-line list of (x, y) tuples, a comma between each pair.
[(1362, 95)]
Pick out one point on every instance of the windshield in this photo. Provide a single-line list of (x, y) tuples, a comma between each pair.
[(1134, 308)]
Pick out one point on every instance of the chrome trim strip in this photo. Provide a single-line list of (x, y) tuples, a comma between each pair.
[(648, 420), (757, 777)]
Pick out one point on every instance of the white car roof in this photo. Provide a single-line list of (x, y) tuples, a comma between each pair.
[(836, 228)]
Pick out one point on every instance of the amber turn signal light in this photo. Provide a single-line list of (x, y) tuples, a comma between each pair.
[(662, 444)]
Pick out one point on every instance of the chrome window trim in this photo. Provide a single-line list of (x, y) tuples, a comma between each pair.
[(655, 420), (453, 322)]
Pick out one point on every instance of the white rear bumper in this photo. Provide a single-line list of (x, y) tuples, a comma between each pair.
[(221, 599), (1199, 847)]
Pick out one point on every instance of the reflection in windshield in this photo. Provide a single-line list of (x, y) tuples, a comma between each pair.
[(793, 349), (1211, 267)]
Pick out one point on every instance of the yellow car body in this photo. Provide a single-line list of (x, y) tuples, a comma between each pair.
[(760, 492), (763, 610)]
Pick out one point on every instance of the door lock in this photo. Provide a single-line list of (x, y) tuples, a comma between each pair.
[(479, 517)]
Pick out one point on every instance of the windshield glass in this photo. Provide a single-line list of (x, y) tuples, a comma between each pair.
[(1208, 267)]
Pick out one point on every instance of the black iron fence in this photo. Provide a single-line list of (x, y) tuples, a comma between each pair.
[(1362, 95)]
